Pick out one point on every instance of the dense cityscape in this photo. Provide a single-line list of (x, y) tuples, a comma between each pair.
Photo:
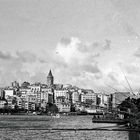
[(70, 70), (54, 98)]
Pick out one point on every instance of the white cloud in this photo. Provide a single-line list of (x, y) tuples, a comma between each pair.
[(86, 65), (69, 51)]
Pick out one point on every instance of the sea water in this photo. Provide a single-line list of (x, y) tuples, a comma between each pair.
[(17, 128)]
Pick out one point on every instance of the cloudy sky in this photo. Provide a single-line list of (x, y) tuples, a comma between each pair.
[(87, 43)]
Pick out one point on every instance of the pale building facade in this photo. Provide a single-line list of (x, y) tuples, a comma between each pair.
[(60, 93), (64, 107), (75, 97), (2, 103), (9, 92), (88, 96)]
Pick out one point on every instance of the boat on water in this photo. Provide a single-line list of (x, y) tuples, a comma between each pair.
[(56, 116), (105, 118), (117, 121)]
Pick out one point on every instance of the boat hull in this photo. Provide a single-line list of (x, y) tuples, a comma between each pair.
[(109, 121)]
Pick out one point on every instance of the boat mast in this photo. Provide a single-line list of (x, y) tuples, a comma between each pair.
[(128, 84)]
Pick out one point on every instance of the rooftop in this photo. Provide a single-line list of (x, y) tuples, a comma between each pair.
[(50, 74)]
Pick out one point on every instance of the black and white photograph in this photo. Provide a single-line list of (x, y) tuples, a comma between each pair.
[(69, 70)]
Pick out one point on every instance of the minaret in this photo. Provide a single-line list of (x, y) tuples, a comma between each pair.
[(50, 79)]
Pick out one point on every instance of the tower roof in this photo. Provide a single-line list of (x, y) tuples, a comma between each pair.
[(50, 74)]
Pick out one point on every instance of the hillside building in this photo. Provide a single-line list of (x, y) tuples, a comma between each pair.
[(50, 79)]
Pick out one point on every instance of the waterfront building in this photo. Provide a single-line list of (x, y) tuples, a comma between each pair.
[(117, 97), (29, 106), (20, 103), (11, 102), (106, 100), (79, 107), (63, 104), (64, 107), (99, 99), (59, 100), (32, 106), (102, 100), (75, 97), (26, 105), (2, 103), (88, 97), (110, 103), (43, 105)]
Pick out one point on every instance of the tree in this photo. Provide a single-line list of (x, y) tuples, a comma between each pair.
[(129, 104), (72, 108), (14, 100), (98, 101), (138, 104), (51, 108), (89, 101)]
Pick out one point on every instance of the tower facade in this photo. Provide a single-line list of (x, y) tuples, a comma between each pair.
[(50, 79)]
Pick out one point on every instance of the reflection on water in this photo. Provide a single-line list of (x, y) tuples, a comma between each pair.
[(134, 136), (72, 122)]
